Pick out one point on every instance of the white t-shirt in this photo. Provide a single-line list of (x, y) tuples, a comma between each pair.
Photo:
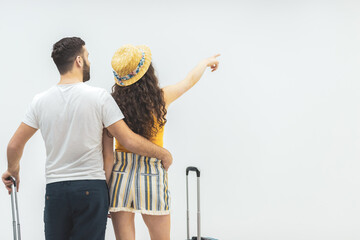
[(71, 118)]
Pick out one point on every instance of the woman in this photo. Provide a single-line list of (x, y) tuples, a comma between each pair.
[(138, 183)]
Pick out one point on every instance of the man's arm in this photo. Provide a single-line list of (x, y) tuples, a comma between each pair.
[(138, 144), (15, 150), (108, 154)]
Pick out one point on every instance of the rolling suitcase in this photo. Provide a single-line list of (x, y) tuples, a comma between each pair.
[(15, 211), (198, 237)]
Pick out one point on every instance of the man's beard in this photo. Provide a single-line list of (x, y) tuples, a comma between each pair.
[(86, 72)]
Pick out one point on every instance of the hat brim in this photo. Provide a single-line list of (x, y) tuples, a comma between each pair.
[(143, 68)]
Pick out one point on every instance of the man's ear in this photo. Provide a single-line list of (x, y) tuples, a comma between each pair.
[(79, 61)]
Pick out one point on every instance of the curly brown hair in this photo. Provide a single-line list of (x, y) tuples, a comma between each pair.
[(142, 103)]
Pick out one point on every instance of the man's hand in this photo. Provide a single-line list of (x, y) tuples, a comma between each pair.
[(138, 144), (167, 161), (8, 183)]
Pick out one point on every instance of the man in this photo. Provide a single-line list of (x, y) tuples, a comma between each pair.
[(71, 117)]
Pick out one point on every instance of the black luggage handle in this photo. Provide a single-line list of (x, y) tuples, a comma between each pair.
[(12, 179), (15, 210), (194, 169)]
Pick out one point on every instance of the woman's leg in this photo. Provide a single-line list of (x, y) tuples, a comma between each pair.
[(124, 225), (158, 225)]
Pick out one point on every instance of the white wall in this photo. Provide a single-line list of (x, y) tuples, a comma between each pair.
[(275, 130)]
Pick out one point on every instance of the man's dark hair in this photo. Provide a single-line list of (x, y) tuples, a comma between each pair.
[(65, 51)]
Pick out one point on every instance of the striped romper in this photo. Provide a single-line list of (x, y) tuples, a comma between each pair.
[(138, 183)]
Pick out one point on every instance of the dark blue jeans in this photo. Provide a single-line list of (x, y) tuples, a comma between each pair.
[(76, 210)]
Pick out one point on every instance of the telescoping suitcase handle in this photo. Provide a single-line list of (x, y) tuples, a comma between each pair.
[(15, 210), (189, 169)]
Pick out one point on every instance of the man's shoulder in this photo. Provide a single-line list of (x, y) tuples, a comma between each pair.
[(44, 94), (87, 91), (100, 93), (94, 89)]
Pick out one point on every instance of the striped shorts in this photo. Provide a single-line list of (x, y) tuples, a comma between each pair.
[(139, 184)]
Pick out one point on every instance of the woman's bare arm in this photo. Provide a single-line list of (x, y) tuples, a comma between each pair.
[(173, 92)]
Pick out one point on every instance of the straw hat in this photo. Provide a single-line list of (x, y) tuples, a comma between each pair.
[(130, 63)]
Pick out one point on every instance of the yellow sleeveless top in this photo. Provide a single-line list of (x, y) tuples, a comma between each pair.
[(158, 140)]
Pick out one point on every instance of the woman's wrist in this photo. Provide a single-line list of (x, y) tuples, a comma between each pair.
[(205, 63)]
